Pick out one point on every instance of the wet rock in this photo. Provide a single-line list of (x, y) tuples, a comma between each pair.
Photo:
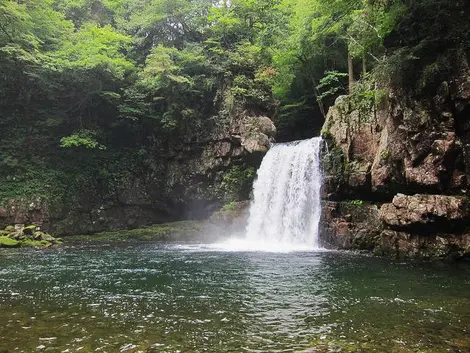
[(351, 224), (29, 230), (424, 246)]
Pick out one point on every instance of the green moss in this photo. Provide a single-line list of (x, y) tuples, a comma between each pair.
[(41, 239), (184, 230), (355, 202), (334, 163), (326, 133), (358, 209), (6, 242), (385, 154), (35, 243)]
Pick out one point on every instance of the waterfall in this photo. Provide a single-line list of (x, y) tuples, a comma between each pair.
[(286, 207)]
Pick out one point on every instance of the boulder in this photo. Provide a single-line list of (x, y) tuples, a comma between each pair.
[(412, 211), (21, 236), (6, 242), (424, 246), (257, 133)]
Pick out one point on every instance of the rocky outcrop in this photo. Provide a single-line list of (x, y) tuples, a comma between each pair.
[(351, 224), (419, 226), (422, 211), (407, 158), (25, 211), (189, 178), (398, 149)]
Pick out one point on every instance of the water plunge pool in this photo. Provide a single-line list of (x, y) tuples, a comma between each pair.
[(188, 298)]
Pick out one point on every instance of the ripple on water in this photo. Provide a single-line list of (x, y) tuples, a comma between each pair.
[(196, 298)]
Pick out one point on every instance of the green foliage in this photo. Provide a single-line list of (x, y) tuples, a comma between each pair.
[(356, 202), (231, 206), (385, 154), (331, 84), (137, 76), (237, 183), (95, 47), (84, 138), (366, 97)]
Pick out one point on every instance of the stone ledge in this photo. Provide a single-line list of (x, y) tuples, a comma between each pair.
[(407, 211)]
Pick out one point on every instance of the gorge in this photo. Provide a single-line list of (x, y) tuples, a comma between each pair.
[(234, 176), (113, 121)]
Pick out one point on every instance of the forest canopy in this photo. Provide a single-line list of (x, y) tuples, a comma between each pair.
[(107, 76)]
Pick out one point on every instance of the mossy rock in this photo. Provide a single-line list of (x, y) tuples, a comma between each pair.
[(29, 230), (36, 243), (10, 238), (6, 242)]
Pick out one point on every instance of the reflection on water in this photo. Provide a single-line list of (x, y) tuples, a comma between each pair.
[(207, 299)]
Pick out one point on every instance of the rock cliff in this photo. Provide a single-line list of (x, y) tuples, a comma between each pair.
[(396, 175), (188, 178)]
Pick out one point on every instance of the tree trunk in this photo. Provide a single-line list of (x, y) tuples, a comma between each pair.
[(364, 65), (351, 73)]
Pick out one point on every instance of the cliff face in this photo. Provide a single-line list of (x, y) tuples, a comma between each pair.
[(185, 179), (397, 176)]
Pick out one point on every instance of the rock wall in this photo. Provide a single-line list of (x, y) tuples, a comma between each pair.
[(405, 165), (184, 181)]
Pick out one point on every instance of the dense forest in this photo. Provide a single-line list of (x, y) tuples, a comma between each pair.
[(92, 90)]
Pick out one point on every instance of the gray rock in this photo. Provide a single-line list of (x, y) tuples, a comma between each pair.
[(408, 211)]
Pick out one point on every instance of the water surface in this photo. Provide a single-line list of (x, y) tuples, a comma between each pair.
[(177, 298)]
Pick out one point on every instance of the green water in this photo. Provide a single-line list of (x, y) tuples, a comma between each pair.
[(169, 298)]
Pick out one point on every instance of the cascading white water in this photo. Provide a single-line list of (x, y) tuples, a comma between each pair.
[(286, 207)]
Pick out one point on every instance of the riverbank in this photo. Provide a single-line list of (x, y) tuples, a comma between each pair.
[(175, 231), (231, 219), (30, 236)]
